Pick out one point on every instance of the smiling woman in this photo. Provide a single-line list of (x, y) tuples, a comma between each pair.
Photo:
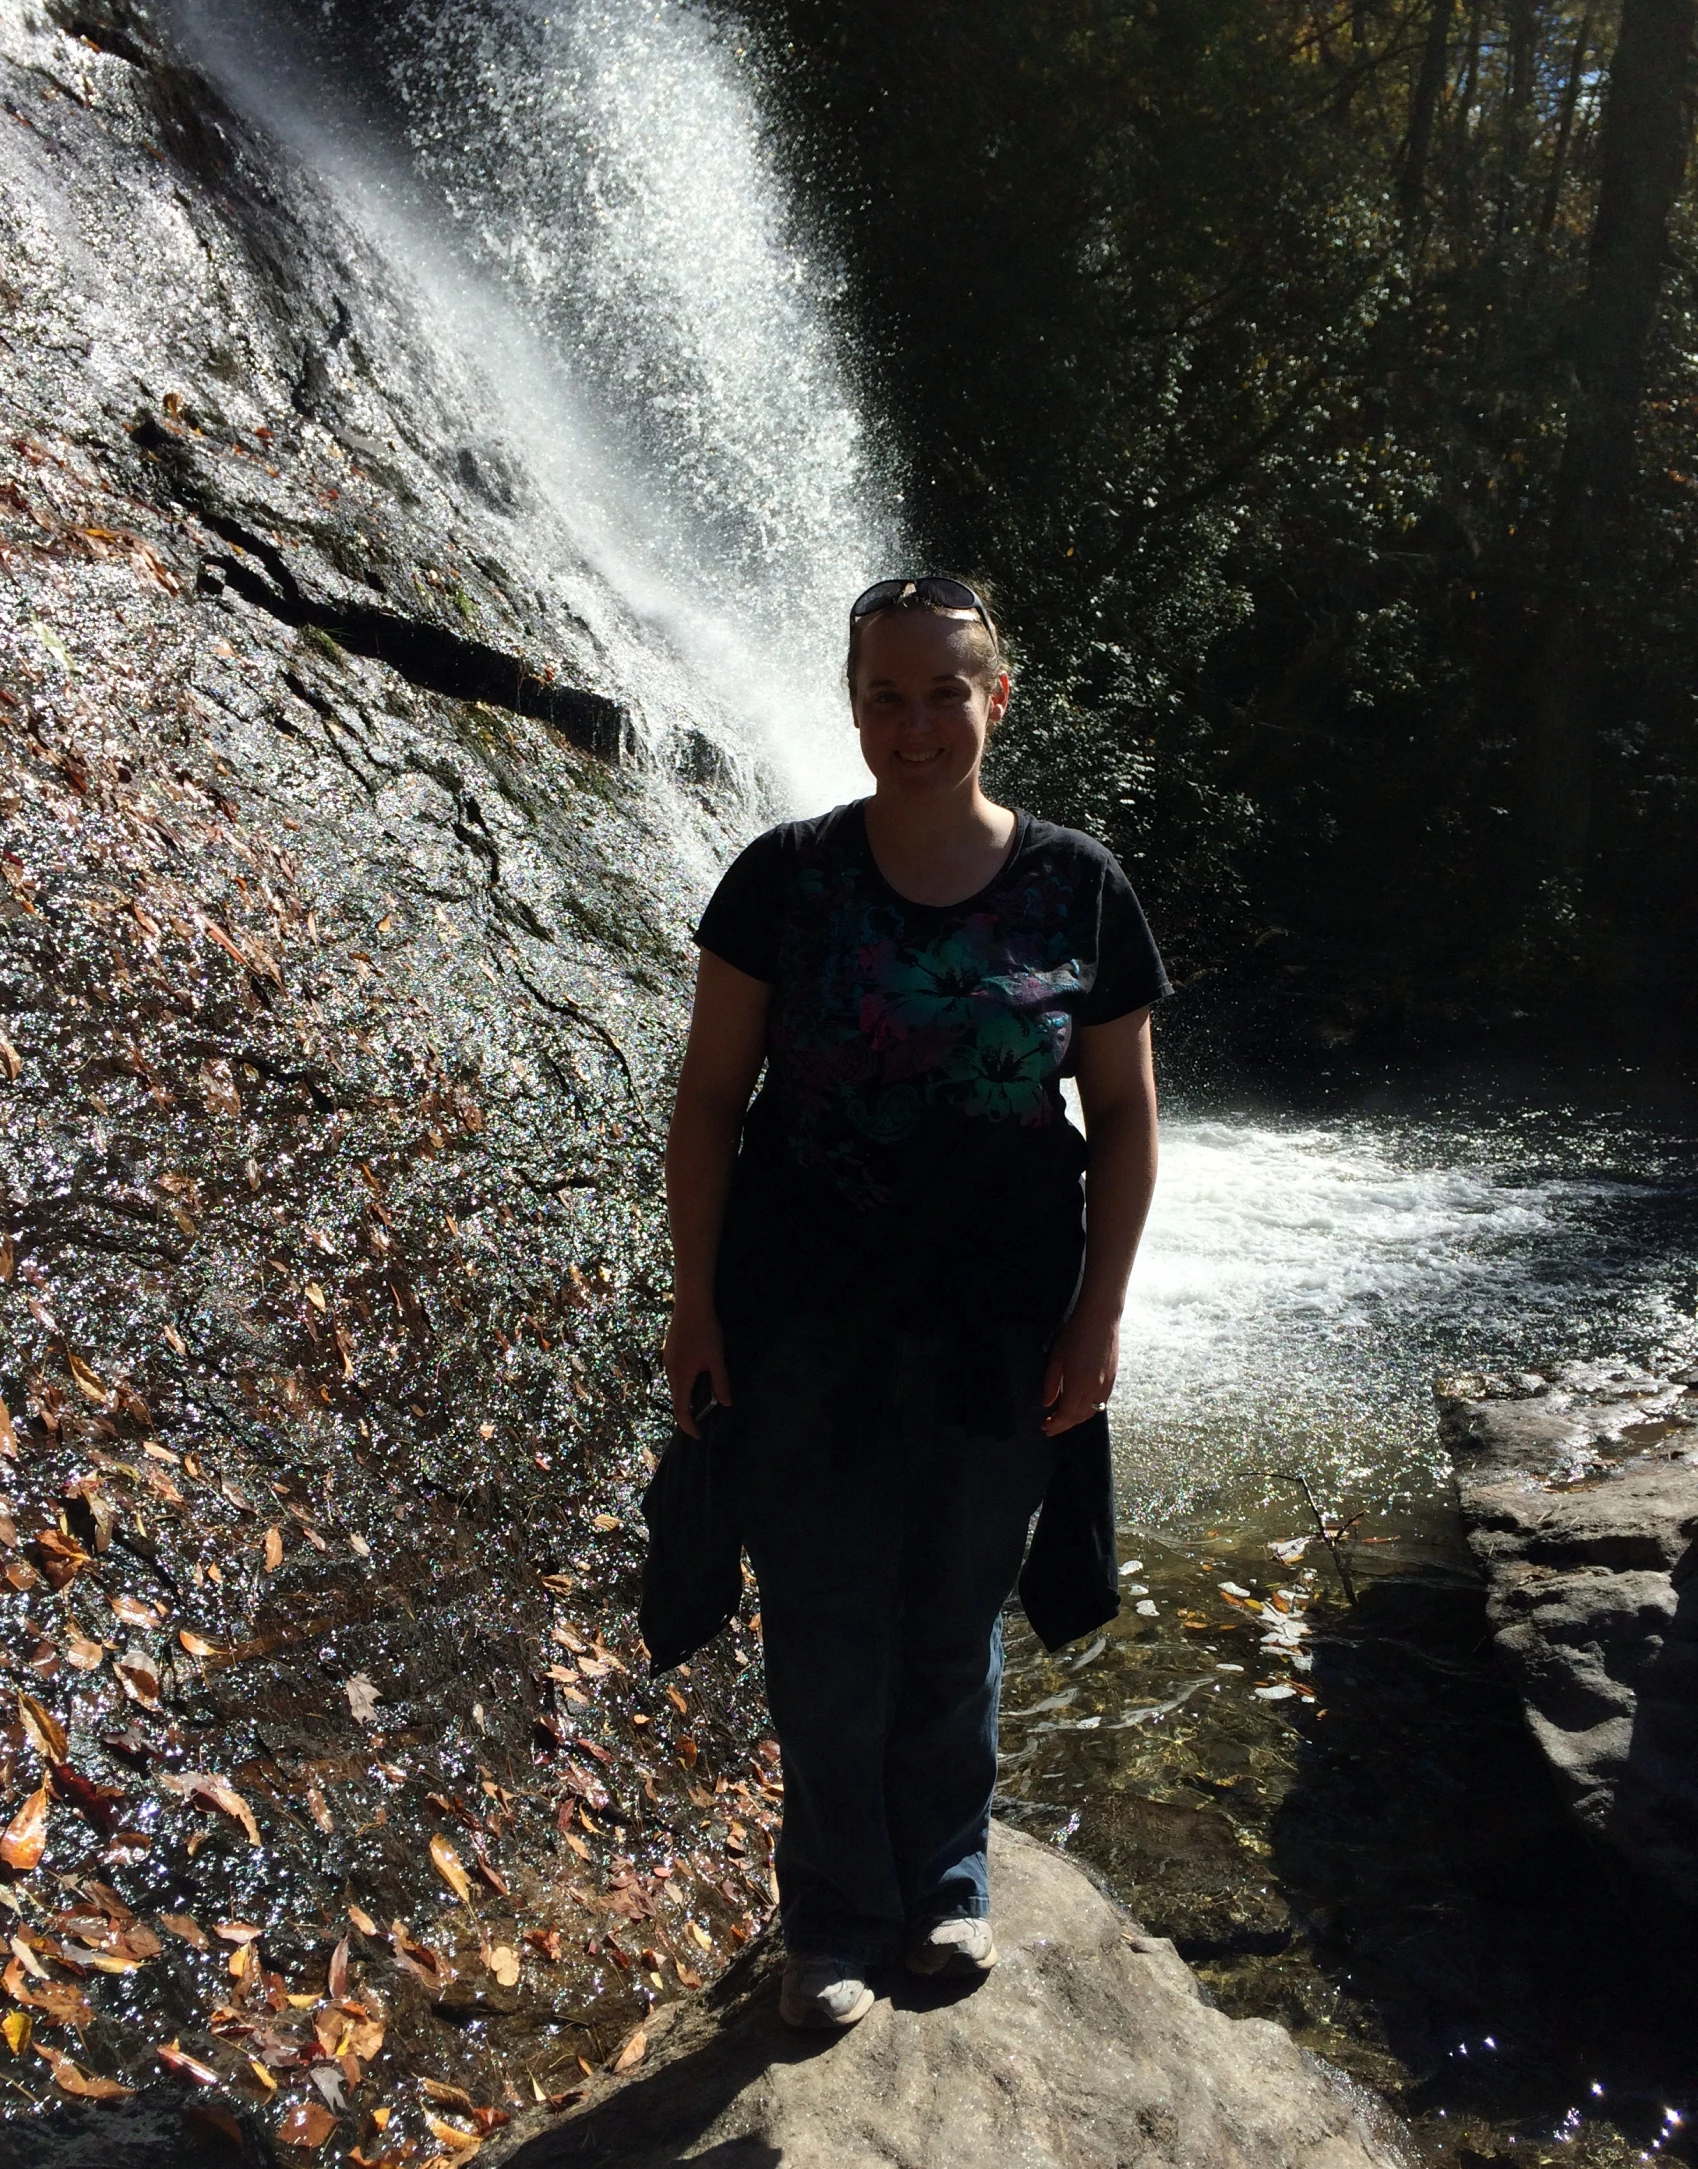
[(883, 1274)]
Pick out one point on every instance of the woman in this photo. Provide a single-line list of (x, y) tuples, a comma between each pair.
[(880, 1268)]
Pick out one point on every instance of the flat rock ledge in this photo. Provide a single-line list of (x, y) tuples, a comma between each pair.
[(1580, 1501), (1089, 2047)]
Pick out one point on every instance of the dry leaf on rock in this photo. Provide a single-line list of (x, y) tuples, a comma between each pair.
[(504, 1964), (81, 1653), (24, 1839), (132, 1611), (308, 2124), (100, 1804), (71, 2079), (8, 1436), (202, 1788), (417, 1958), (188, 1928), (337, 1981), (89, 1385), (183, 2066), (197, 1645), (451, 2097), (239, 1932), (273, 1549), (362, 1920), (362, 1698), (138, 1675), (452, 1871), (463, 2143), (16, 2028), (47, 1734), (632, 2054), (61, 1557)]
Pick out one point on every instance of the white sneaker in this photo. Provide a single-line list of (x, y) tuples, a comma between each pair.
[(823, 1991), (952, 1946)]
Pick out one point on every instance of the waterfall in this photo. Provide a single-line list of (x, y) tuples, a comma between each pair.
[(583, 200)]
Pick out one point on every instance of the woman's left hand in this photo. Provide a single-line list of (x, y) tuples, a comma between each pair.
[(1081, 1371)]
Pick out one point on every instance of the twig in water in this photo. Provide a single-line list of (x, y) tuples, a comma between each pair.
[(1331, 1538)]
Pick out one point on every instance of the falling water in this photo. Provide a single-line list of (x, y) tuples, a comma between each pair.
[(583, 202)]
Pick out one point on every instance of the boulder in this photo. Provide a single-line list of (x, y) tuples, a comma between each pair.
[(1580, 1501), (1090, 2046)]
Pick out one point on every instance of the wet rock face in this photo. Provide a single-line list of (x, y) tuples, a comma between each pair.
[(1089, 2046), (343, 965), (1581, 1503)]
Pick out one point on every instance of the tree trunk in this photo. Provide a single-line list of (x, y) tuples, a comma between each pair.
[(1565, 128), (1412, 185), (1646, 125)]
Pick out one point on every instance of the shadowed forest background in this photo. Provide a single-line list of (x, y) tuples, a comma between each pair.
[(1318, 387)]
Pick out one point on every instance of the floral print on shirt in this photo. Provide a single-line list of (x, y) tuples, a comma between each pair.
[(886, 1016)]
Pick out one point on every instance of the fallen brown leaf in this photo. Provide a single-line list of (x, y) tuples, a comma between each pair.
[(132, 1611), (71, 2079), (308, 2124), (201, 1787), (81, 1653), (632, 2054), (273, 1549), (138, 1675), (47, 1734), (92, 1387), (337, 1980), (449, 1866), (184, 2066), (362, 1698), (188, 1928), (25, 1837), (463, 2143), (197, 1645)]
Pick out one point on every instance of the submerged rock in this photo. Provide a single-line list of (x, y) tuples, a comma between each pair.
[(1089, 2046), (1581, 1503)]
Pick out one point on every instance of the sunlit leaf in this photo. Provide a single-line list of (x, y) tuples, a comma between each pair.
[(139, 1677), (188, 1928), (337, 1979), (70, 2078), (16, 2028), (46, 1733), (183, 2066), (308, 2124), (24, 1839), (362, 1698), (81, 1653), (273, 1549), (88, 1384), (196, 1644), (632, 2054), (448, 1865)]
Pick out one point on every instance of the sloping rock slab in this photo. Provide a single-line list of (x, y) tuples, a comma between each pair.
[(1088, 2048), (1581, 1504)]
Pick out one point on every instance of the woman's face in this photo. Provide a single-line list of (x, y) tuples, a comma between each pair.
[(923, 704)]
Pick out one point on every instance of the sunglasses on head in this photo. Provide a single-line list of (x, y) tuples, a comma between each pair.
[(927, 594)]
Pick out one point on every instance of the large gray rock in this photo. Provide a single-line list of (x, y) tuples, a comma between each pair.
[(1581, 1504), (1089, 2047)]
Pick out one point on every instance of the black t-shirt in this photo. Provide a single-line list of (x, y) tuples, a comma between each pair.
[(909, 1155)]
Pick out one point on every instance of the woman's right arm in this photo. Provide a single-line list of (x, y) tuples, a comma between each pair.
[(722, 1059)]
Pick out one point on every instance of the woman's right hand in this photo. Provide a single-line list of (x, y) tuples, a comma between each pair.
[(694, 1347)]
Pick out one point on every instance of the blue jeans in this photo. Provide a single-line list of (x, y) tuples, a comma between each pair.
[(886, 1539)]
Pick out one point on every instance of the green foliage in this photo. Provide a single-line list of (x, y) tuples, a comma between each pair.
[(1253, 409)]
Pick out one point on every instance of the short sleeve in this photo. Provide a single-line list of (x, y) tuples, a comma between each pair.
[(742, 921), (1130, 973)]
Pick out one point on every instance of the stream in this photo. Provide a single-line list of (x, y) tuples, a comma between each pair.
[(1337, 1811)]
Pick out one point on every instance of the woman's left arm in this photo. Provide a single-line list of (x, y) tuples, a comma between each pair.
[(1117, 1088)]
